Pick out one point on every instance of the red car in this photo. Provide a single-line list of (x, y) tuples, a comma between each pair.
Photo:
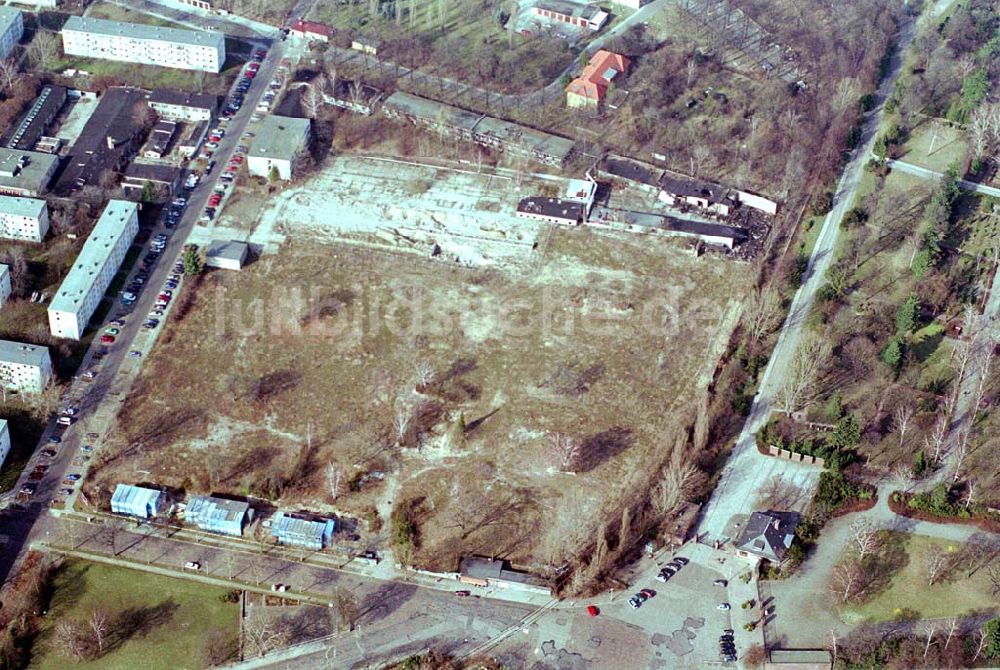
[(592, 610), (215, 200), (107, 339), (232, 168), (236, 159), (214, 138), (253, 67)]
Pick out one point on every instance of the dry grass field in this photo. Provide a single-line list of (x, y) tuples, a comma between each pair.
[(432, 387)]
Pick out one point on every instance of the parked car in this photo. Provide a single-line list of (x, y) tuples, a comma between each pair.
[(49, 453), (111, 331), (135, 353), (463, 593), (635, 602), (73, 477), (723, 606), (720, 582), (647, 593), (86, 448), (107, 339), (592, 610), (192, 565)]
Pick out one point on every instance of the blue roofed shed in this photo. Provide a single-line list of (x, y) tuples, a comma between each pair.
[(218, 515), (301, 531), (138, 501)]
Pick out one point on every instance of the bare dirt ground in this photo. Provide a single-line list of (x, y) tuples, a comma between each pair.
[(325, 352)]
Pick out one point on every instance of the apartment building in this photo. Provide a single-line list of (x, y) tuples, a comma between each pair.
[(23, 219), (5, 285), (11, 29), (99, 260), (145, 44), (24, 367)]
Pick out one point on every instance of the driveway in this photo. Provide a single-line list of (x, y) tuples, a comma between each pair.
[(748, 471)]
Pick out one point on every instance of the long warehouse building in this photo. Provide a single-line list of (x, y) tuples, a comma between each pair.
[(146, 44), (98, 262)]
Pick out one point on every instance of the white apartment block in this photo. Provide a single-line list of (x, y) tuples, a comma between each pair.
[(24, 367), (24, 219), (102, 254), (5, 285), (146, 44), (11, 29), (4, 441)]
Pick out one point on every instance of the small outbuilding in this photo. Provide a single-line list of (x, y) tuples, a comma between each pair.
[(299, 530), (218, 515), (485, 571), (138, 501), (226, 255)]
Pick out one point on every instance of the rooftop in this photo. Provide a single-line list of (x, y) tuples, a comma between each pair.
[(768, 534), (112, 118), (23, 354), (169, 96), (36, 119), (94, 254), (312, 27), (28, 170), (8, 15), (279, 137), (143, 31), (670, 223), (482, 567), (632, 169), (554, 207), (231, 250), (134, 496), (18, 206), (687, 187), (600, 71), (299, 527), (211, 507), (568, 8), (151, 172)]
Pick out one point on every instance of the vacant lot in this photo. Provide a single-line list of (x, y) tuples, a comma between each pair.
[(430, 383), (935, 146), (910, 595), (159, 622)]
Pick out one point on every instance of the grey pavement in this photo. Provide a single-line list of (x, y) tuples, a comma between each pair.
[(925, 173)]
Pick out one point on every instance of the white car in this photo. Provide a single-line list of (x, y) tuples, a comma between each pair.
[(192, 565), (723, 606)]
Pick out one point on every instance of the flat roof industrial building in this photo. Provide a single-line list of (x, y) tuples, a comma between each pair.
[(37, 119), (25, 173), (138, 501)]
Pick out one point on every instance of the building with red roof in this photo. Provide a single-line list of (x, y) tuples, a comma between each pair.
[(589, 89), (310, 30)]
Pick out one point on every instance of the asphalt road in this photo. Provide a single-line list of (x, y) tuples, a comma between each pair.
[(746, 470), (98, 400)]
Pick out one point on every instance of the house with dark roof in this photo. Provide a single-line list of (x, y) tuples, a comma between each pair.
[(159, 139), (767, 535), (162, 181), (589, 89)]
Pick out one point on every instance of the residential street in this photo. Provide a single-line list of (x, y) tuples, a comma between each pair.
[(99, 399), (747, 471)]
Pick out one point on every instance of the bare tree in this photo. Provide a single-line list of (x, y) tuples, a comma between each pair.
[(865, 534), (902, 476), (262, 633), (71, 637), (8, 73), (981, 640), (936, 439), (312, 101), (935, 563), (401, 422), (979, 131), (970, 493), (346, 605), (929, 630), (100, 626), (993, 572), (952, 627), (699, 156), (802, 376), (425, 374), (904, 413), (764, 314), (334, 478), (43, 50), (846, 583), (566, 451)]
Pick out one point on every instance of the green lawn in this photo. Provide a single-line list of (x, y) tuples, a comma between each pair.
[(934, 146), (909, 594), (106, 10), (172, 619)]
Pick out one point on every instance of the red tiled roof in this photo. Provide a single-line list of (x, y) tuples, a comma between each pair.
[(592, 83), (301, 26)]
